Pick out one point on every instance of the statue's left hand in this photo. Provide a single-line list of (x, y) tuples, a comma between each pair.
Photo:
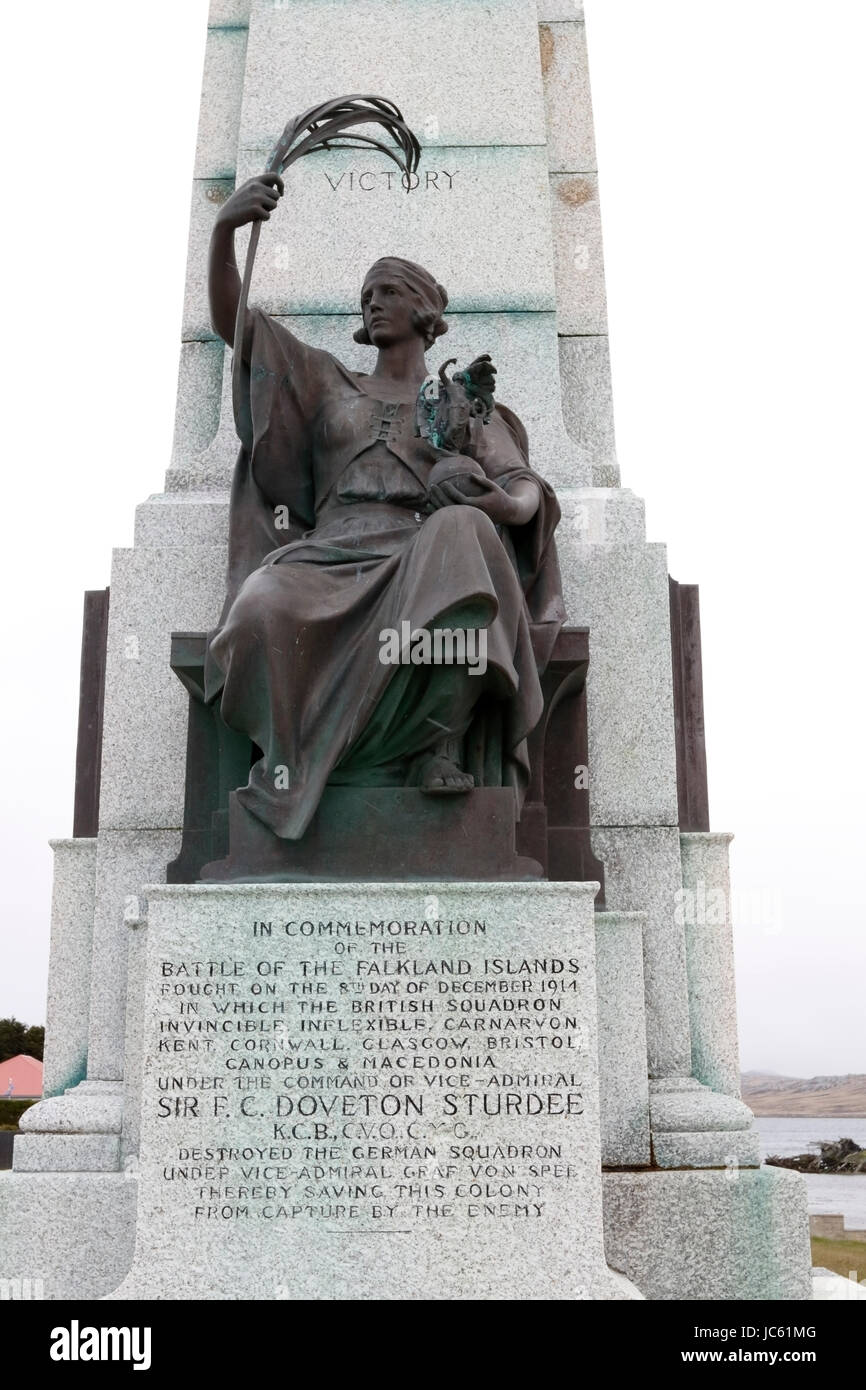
[(512, 508)]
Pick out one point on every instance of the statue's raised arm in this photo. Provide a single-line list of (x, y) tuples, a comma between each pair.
[(254, 201)]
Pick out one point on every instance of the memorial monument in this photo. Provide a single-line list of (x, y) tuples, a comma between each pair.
[(373, 974)]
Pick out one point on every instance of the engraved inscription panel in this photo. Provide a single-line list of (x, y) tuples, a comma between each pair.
[(410, 1069)]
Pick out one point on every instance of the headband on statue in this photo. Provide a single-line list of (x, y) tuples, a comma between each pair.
[(433, 296)]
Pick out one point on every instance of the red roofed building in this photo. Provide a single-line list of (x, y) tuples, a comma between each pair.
[(21, 1078)]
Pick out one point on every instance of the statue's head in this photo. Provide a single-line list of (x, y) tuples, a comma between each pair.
[(401, 300)]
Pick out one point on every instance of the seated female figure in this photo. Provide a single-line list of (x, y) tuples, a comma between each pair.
[(347, 524)]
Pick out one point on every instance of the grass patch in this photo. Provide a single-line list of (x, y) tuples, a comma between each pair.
[(11, 1112), (842, 1256)]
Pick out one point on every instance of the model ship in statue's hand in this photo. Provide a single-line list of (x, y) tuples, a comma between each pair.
[(453, 420), (388, 528), (446, 417)]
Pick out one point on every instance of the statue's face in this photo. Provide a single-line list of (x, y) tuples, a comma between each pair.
[(388, 306)]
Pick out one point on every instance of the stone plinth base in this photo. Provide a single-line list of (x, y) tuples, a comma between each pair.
[(65, 1235), (379, 834), (694, 1127), (710, 1234), (76, 1132), (371, 1092)]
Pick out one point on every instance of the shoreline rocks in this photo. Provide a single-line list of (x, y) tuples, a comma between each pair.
[(840, 1156)]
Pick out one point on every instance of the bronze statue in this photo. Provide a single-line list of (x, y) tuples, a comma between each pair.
[(362, 506)]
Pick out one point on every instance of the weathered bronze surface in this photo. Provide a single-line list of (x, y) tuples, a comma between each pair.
[(388, 832), (357, 510)]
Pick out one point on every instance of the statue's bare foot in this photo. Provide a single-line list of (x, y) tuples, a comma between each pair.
[(440, 775)]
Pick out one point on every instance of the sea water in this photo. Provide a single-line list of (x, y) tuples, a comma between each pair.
[(843, 1193)]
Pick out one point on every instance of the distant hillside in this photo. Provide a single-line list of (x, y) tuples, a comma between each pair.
[(768, 1094)]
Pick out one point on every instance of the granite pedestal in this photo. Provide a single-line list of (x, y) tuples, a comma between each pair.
[(370, 1091)]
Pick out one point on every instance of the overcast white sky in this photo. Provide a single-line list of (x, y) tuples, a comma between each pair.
[(730, 142)]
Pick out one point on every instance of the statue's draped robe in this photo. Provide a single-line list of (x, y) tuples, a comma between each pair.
[(330, 543)]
